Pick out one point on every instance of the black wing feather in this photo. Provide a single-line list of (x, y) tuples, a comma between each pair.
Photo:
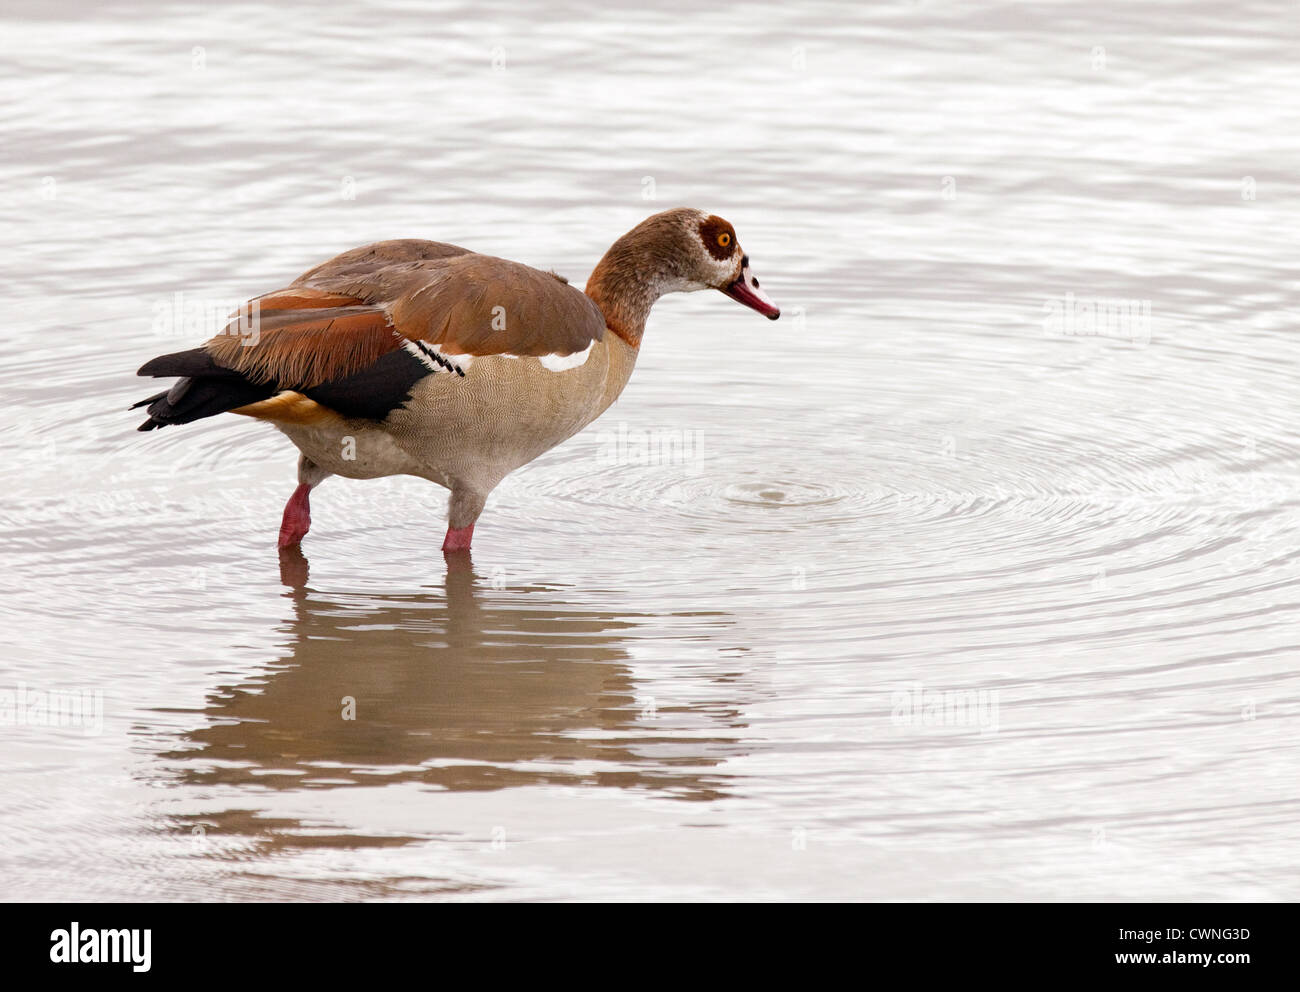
[(207, 389)]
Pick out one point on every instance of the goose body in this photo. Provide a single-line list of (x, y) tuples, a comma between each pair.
[(421, 358)]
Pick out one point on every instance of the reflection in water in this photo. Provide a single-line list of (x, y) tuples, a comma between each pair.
[(468, 688)]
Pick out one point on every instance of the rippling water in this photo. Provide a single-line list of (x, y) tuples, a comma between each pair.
[(975, 576)]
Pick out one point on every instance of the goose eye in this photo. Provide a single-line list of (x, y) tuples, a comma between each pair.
[(724, 239)]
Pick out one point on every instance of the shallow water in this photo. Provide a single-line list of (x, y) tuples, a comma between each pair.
[(937, 588)]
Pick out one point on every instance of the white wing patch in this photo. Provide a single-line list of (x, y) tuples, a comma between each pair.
[(562, 363), (437, 360)]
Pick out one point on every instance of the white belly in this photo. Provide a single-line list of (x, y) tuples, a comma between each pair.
[(353, 449)]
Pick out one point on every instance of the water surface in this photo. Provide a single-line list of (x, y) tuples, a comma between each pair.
[(974, 577)]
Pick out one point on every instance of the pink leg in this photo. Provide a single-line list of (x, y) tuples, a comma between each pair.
[(297, 517), (458, 540)]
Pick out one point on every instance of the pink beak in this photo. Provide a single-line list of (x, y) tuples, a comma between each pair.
[(745, 290)]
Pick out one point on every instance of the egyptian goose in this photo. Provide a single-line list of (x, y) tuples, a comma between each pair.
[(419, 358)]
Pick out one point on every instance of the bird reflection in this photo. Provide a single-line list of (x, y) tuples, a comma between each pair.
[(463, 687)]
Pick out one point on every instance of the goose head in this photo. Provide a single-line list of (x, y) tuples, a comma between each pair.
[(724, 266), (677, 251)]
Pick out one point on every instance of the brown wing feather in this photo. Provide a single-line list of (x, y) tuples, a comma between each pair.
[(480, 305), (374, 272), (343, 315), (304, 298), (305, 348)]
